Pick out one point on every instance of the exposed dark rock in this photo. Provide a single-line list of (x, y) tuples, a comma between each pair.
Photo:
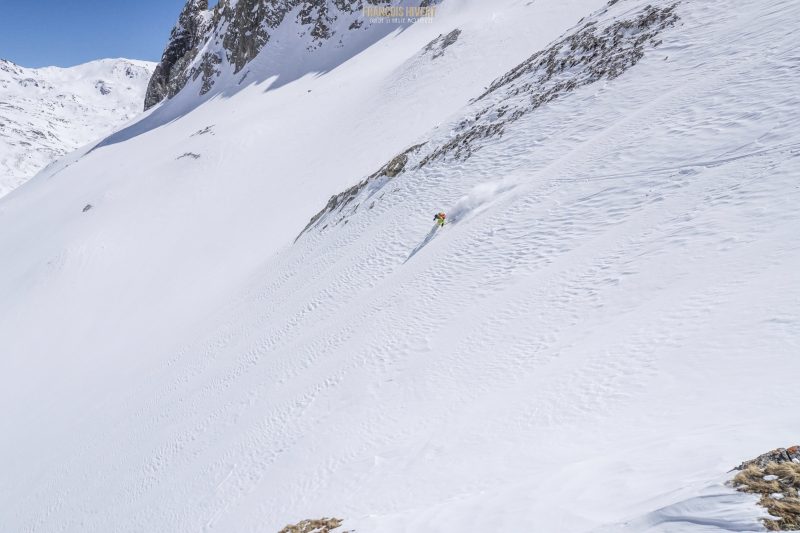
[(775, 476), (339, 201), (87, 207), (247, 30), (170, 75), (189, 154), (590, 54), (396, 165), (208, 69), (779, 455), (599, 49), (207, 129), (437, 46), (323, 525), (237, 32), (28, 82), (8, 66), (103, 87)]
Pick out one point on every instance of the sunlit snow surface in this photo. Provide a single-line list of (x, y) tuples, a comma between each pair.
[(609, 324), (48, 112)]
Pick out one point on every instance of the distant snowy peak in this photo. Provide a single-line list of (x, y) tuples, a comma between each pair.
[(204, 44), (47, 112), (124, 74)]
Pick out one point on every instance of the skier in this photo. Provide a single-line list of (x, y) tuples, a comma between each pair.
[(439, 218)]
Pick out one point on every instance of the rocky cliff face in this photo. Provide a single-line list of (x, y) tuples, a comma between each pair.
[(204, 42), (171, 73)]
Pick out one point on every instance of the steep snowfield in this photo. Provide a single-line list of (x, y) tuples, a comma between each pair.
[(608, 325), (48, 112)]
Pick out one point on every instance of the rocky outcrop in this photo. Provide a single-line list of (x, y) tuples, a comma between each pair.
[(323, 525), (338, 202), (171, 73), (775, 477), (779, 455), (247, 32), (236, 31), (437, 46), (601, 48)]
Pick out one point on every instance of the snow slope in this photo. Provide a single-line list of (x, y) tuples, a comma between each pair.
[(608, 325), (48, 112)]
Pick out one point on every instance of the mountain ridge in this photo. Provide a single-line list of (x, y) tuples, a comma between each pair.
[(207, 43), (588, 345), (47, 112)]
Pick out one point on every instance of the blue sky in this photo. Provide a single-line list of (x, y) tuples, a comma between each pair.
[(37, 33)]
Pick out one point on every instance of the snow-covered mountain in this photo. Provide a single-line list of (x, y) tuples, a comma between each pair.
[(208, 44), (236, 313), (48, 112)]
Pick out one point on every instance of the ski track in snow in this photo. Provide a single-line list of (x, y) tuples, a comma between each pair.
[(571, 351)]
